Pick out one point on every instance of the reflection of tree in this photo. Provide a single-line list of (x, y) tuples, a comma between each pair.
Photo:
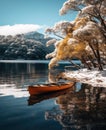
[(85, 109), (55, 76)]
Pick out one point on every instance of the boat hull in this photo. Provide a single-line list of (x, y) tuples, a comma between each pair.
[(38, 89)]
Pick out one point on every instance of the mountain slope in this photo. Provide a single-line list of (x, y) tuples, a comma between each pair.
[(23, 46)]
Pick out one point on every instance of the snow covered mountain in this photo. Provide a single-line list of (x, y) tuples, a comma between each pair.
[(29, 46)]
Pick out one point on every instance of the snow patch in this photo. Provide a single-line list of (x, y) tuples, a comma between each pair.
[(94, 77)]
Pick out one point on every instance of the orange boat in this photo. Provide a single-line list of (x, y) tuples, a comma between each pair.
[(46, 88), (36, 98)]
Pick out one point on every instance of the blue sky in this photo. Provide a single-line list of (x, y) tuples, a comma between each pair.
[(41, 12)]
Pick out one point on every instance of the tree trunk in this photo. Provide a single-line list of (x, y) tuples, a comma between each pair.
[(97, 55), (85, 63)]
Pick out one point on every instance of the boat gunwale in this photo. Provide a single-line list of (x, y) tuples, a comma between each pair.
[(51, 84)]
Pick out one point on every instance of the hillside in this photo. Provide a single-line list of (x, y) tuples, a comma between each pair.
[(29, 46)]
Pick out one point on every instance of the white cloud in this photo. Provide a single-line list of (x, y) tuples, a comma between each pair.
[(18, 29)]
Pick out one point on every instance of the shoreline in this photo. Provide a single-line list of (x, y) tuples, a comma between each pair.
[(91, 77)]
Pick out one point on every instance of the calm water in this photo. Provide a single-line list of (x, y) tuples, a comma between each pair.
[(82, 107)]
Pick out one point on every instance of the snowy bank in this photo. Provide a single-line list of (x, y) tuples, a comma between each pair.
[(94, 77)]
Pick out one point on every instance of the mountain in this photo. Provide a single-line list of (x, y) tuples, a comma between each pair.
[(29, 46)]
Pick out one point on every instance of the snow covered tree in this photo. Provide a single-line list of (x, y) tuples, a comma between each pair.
[(84, 38)]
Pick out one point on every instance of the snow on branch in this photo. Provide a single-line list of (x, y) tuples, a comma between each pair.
[(84, 38), (70, 5), (61, 28), (50, 42)]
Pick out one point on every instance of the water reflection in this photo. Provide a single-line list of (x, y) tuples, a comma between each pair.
[(84, 109), (55, 76), (81, 107), (6, 90), (22, 74)]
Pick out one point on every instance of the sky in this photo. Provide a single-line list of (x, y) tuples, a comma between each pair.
[(43, 13)]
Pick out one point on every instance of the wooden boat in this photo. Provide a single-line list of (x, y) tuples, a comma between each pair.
[(47, 88), (36, 98)]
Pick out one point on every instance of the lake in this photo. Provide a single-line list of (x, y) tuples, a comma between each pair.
[(82, 107)]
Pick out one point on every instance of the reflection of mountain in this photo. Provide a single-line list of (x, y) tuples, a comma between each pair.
[(10, 89), (24, 46), (85, 109), (19, 74)]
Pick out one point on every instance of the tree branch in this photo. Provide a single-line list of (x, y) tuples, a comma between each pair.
[(58, 36)]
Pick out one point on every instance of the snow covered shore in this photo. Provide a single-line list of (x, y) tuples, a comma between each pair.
[(94, 77)]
